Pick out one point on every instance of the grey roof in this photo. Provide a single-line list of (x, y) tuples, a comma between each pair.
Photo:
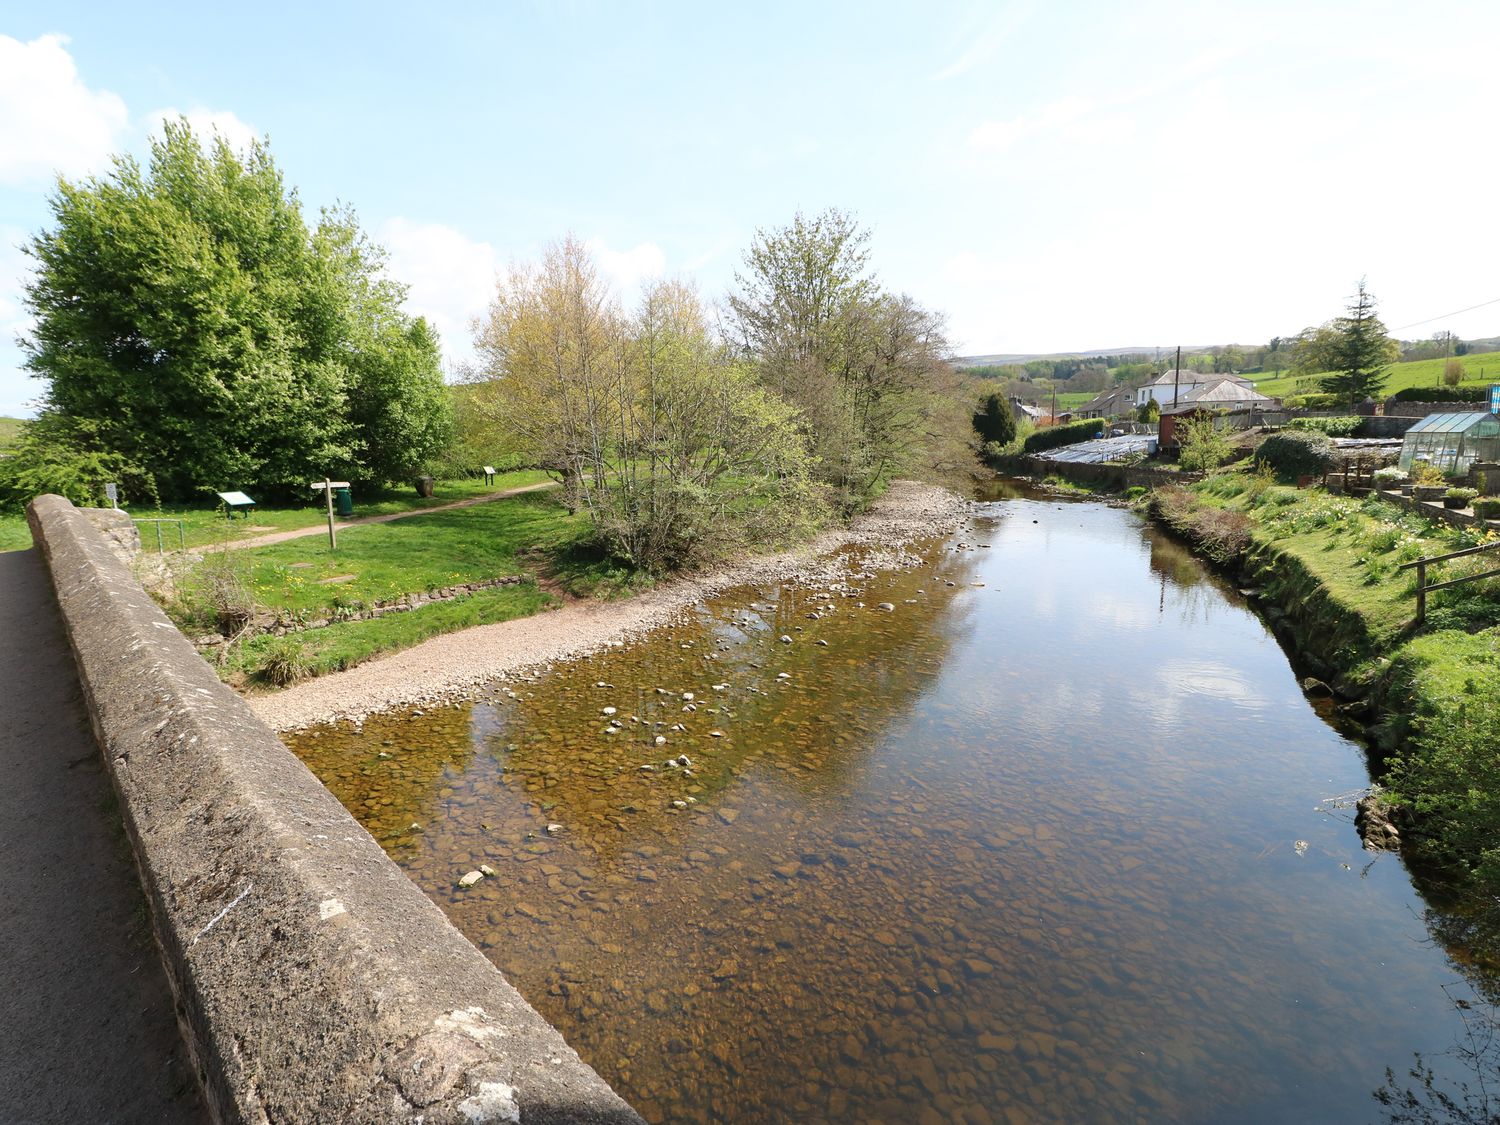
[(1225, 389)]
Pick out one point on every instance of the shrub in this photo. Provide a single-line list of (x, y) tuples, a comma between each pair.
[(221, 591), (1390, 476), (1425, 472), (1333, 427), (1067, 434), (1295, 454), (1464, 494), (1487, 508), (1221, 534), (1453, 372), (285, 662)]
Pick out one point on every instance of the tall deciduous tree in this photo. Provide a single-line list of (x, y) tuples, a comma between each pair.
[(187, 314), (865, 368), (659, 433), (1364, 351)]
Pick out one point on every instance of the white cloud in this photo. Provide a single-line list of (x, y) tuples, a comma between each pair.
[(996, 135), (627, 269), (50, 121), (206, 122), (451, 278), (17, 388)]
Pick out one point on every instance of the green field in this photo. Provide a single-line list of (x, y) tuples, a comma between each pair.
[(1419, 373), (205, 526), (10, 429)]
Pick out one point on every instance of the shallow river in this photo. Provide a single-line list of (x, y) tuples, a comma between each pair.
[(1047, 841)]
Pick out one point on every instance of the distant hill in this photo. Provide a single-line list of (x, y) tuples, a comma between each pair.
[(10, 429)]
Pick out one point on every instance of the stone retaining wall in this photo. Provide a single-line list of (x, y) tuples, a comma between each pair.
[(315, 982)]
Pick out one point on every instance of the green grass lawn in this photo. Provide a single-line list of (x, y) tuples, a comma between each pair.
[(377, 562), (204, 525), (531, 536), (1419, 373)]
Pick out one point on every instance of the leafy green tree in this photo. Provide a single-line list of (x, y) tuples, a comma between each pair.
[(1315, 350), (662, 435), (187, 313), (63, 456), (868, 370), (1202, 446), (1363, 352), (994, 421)]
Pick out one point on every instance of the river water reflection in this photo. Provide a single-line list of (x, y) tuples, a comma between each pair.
[(1041, 843)]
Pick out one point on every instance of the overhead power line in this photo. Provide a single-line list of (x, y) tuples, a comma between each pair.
[(1445, 316)]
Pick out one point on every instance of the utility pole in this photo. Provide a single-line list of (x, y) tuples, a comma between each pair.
[(1176, 376)]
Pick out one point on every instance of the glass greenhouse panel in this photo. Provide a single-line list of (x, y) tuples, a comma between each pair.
[(1452, 442)]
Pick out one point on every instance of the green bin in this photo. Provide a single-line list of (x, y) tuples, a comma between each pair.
[(343, 500)]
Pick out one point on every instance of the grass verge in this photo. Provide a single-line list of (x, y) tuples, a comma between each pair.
[(338, 647)]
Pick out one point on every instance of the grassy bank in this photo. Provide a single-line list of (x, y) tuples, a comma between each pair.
[(1329, 568), (530, 536)]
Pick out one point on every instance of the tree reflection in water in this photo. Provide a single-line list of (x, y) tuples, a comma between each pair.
[(1422, 1097)]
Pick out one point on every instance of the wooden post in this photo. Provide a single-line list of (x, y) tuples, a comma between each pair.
[(328, 496), (1421, 591)]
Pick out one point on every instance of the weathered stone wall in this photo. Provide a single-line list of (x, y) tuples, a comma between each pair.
[(315, 982), (118, 529), (1116, 477)]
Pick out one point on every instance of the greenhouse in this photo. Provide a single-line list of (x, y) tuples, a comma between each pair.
[(1452, 442)]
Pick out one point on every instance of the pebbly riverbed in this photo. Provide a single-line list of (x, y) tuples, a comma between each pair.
[(1028, 821)]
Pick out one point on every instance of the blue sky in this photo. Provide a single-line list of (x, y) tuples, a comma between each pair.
[(1049, 175)]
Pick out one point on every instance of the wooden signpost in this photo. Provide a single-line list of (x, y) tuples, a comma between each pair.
[(327, 486)]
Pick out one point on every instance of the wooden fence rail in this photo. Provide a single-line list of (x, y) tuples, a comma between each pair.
[(1422, 564)]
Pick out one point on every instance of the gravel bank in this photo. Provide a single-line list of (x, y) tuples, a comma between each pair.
[(449, 667)]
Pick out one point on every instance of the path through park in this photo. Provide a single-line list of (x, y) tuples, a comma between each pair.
[(340, 525)]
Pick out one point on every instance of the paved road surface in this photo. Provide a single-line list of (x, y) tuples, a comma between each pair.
[(339, 525), (87, 1031)]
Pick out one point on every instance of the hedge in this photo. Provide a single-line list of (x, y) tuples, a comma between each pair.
[(1068, 433), (1343, 426), (1464, 392)]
